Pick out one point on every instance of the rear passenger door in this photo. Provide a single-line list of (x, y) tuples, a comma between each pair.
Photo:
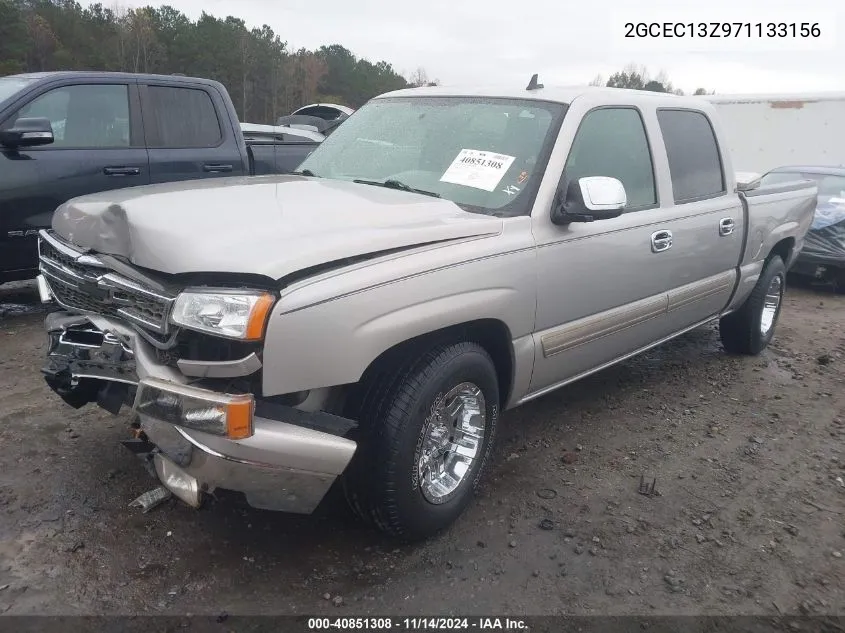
[(185, 137), (707, 224)]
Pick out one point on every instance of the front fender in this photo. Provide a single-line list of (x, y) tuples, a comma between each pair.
[(334, 341)]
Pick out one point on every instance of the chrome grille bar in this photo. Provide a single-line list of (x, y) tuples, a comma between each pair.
[(80, 282)]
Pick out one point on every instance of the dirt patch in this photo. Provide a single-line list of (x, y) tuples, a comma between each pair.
[(747, 516)]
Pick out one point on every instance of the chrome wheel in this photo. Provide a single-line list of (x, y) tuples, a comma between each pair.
[(451, 442), (771, 304)]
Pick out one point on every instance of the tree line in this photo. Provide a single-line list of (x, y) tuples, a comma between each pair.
[(636, 77), (265, 78)]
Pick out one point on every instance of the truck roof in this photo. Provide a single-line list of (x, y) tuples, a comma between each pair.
[(558, 94), (91, 74)]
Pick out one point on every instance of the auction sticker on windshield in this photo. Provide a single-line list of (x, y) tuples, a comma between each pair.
[(477, 168)]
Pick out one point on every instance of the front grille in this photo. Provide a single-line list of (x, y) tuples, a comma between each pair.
[(82, 283), (70, 297), (51, 253)]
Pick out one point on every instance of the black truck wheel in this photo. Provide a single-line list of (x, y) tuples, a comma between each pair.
[(426, 433), (750, 329)]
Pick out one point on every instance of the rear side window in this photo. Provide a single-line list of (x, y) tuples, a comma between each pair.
[(694, 161), (182, 117)]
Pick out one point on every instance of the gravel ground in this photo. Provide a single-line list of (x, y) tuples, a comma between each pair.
[(748, 515)]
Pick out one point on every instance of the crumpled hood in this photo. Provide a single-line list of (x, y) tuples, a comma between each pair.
[(267, 225)]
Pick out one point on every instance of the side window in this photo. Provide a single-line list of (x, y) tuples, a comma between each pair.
[(612, 142), (694, 161), (85, 116), (182, 118)]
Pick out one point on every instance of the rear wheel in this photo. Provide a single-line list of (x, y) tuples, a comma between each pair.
[(427, 430), (750, 329)]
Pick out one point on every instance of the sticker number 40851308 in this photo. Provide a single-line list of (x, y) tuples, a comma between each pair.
[(477, 168)]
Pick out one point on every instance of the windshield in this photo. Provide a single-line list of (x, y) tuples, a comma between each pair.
[(10, 85), (480, 153)]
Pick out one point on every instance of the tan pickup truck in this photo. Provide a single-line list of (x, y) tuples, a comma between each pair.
[(445, 255)]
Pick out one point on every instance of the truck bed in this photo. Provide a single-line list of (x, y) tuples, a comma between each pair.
[(275, 149), (772, 213), (268, 156)]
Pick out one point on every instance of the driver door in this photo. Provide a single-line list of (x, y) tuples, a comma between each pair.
[(602, 288)]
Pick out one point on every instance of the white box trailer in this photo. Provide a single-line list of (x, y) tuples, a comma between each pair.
[(772, 130)]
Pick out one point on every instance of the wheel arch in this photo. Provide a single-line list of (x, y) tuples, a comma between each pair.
[(492, 335), (784, 249)]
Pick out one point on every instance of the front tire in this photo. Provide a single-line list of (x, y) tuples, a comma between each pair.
[(750, 329), (427, 431)]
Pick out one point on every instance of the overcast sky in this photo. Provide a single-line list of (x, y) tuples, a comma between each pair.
[(505, 41)]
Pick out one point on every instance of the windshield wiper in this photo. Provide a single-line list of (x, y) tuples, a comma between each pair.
[(305, 172), (392, 183)]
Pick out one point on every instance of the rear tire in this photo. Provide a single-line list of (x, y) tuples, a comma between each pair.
[(750, 329), (419, 419)]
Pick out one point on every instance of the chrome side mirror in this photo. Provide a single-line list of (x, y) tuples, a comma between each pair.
[(589, 199)]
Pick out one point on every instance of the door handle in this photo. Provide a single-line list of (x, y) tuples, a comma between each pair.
[(726, 226), (122, 171), (215, 168), (661, 241)]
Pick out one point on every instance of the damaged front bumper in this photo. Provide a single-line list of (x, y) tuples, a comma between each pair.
[(287, 462)]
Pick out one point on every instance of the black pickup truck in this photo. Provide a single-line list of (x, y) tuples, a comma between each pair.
[(65, 134)]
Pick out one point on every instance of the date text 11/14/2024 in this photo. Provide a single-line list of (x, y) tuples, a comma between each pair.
[(416, 624)]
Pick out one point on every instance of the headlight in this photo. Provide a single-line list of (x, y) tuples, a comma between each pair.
[(231, 313)]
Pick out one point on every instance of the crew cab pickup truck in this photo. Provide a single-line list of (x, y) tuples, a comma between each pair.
[(65, 134), (444, 255)]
